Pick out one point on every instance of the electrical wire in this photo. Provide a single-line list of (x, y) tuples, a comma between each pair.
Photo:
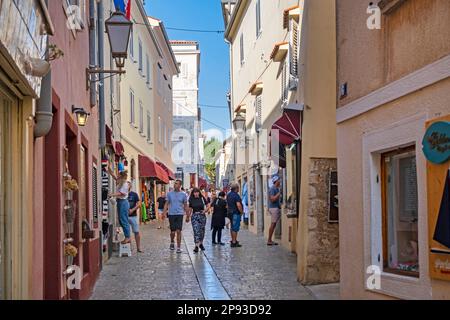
[(206, 120), (211, 106), (186, 29)]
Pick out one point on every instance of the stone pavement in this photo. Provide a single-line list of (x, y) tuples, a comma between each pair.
[(254, 271)]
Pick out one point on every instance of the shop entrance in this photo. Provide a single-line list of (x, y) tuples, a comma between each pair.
[(8, 103)]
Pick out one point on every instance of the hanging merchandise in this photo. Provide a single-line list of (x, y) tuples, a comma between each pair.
[(121, 166), (442, 230), (144, 212)]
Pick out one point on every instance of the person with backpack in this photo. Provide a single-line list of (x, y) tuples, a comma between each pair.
[(198, 209)]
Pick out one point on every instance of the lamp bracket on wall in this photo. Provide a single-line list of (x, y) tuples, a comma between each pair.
[(91, 71)]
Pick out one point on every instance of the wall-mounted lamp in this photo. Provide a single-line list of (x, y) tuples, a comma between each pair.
[(118, 28), (81, 115)]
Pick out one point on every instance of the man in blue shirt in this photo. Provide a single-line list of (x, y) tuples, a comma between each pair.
[(235, 211), (175, 208), (274, 207)]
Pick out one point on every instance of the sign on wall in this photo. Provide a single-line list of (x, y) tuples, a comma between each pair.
[(436, 142), (437, 150)]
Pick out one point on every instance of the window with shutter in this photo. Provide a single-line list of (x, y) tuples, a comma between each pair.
[(242, 48), (148, 69), (131, 106), (258, 18), (149, 128), (258, 113), (284, 83), (141, 117), (293, 53), (159, 129), (140, 55), (94, 193), (131, 45)]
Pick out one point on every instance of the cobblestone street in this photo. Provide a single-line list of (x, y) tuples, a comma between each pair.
[(254, 271)]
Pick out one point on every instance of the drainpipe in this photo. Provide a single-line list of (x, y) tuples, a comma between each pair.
[(92, 93), (101, 62), (44, 115)]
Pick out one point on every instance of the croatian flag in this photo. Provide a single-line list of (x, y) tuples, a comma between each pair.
[(124, 6)]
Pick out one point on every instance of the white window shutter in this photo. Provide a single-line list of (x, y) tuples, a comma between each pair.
[(258, 113), (284, 83), (293, 53)]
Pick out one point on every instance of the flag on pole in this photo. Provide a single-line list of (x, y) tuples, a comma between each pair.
[(124, 6)]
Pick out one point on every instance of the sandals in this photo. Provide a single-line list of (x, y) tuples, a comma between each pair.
[(272, 243)]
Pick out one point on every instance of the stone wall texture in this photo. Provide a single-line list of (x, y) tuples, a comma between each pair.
[(322, 260)]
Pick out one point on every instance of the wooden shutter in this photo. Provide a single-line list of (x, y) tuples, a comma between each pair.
[(294, 48), (258, 113), (141, 117), (94, 193), (284, 82)]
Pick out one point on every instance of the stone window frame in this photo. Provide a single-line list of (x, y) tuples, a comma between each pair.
[(407, 132)]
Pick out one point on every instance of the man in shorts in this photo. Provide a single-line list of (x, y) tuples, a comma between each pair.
[(175, 208), (135, 204), (235, 210), (274, 207), (161, 203)]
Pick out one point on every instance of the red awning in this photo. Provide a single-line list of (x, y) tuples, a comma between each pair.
[(202, 182), (109, 139), (119, 148), (149, 169), (168, 171), (288, 126)]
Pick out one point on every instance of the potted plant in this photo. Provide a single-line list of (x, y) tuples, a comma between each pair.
[(70, 251)]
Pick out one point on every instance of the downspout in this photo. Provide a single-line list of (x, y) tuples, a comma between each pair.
[(101, 58), (92, 91), (44, 114)]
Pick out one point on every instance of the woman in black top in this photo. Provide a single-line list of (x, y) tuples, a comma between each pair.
[(199, 207), (218, 218)]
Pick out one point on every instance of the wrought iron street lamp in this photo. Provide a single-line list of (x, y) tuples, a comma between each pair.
[(81, 115), (118, 29), (239, 123)]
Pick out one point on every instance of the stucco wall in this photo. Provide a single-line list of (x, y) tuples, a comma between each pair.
[(431, 102)]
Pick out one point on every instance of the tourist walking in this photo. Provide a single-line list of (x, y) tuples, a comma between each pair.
[(175, 208), (123, 206), (274, 207), (219, 206), (135, 203), (198, 209), (161, 203), (235, 210)]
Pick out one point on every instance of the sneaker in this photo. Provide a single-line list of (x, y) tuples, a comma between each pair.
[(236, 245), (221, 243), (179, 250), (196, 249), (172, 246), (202, 247), (214, 243)]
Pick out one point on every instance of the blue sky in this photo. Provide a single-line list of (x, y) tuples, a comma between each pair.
[(214, 68)]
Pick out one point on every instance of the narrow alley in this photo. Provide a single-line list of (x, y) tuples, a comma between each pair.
[(254, 271)]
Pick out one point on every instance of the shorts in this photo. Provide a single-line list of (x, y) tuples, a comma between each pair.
[(236, 223), (134, 223), (276, 214), (176, 222), (161, 211)]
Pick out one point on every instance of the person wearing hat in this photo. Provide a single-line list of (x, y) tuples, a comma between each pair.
[(274, 207)]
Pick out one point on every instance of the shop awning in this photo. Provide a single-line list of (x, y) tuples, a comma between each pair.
[(288, 125), (109, 139), (149, 169), (168, 171), (119, 148)]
